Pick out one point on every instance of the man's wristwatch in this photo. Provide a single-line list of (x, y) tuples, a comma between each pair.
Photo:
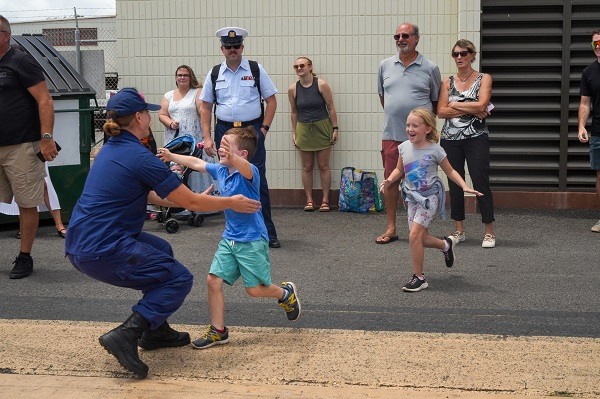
[(47, 136), (266, 127)]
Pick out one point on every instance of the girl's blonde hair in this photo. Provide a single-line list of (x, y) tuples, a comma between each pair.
[(428, 118), (309, 63)]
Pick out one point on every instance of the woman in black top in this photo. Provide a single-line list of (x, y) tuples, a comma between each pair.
[(314, 128)]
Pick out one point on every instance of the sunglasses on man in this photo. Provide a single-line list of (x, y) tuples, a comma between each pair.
[(404, 36), (596, 44), (237, 47)]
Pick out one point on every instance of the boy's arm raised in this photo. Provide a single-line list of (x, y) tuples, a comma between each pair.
[(185, 160), (238, 162)]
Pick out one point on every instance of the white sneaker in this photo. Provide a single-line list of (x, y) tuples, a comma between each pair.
[(457, 237), (489, 241), (596, 227)]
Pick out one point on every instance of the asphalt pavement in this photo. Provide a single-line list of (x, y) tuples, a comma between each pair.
[(542, 279)]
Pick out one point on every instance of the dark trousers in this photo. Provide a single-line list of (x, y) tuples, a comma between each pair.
[(476, 152), (144, 263), (259, 160)]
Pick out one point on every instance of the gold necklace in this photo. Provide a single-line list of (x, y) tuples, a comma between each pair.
[(467, 78)]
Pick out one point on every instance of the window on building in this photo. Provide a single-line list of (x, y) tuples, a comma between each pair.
[(66, 36)]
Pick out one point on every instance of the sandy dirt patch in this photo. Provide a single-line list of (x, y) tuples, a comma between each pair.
[(61, 359)]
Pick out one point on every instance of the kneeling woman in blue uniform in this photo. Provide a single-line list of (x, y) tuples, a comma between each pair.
[(105, 238)]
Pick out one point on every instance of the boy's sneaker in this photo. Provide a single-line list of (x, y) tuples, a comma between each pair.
[(210, 338), (596, 227), (291, 305), (449, 255), (457, 237), (23, 267), (415, 284)]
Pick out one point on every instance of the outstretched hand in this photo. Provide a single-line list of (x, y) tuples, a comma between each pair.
[(384, 185), (471, 191), (164, 155), (243, 204)]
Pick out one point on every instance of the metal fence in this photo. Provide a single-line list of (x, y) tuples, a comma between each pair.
[(90, 46)]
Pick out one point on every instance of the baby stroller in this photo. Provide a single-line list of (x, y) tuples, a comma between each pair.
[(182, 145)]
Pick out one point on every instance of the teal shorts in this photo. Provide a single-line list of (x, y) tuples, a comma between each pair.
[(247, 259)]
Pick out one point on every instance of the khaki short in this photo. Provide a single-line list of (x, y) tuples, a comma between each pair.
[(22, 175)]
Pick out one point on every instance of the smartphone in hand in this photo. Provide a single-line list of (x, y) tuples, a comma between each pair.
[(41, 156)]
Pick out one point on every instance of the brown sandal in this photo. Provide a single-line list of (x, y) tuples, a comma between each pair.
[(324, 207), (309, 207), (386, 238)]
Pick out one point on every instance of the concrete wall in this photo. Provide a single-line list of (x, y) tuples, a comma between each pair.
[(345, 39)]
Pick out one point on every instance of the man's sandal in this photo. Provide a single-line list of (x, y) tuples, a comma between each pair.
[(386, 239)]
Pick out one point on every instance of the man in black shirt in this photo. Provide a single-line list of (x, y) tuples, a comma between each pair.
[(27, 116)]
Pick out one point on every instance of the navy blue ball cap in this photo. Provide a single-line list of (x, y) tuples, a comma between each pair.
[(128, 101)]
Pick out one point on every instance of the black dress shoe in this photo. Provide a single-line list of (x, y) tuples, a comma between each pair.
[(274, 243)]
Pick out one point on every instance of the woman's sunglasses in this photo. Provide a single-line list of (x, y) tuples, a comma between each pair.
[(464, 53), (299, 66)]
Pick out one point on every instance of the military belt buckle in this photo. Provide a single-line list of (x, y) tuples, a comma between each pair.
[(237, 124)]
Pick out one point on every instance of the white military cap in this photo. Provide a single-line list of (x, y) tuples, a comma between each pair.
[(231, 35)]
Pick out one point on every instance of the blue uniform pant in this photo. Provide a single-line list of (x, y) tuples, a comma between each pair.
[(259, 160), (476, 151), (145, 263)]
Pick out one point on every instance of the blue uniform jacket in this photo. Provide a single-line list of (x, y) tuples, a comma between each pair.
[(112, 207)]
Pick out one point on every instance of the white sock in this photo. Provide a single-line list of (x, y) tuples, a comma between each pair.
[(446, 246)]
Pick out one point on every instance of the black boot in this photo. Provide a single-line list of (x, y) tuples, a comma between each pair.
[(163, 337), (121, 342)]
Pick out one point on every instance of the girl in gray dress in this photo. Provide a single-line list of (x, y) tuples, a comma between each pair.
[(423, 191)]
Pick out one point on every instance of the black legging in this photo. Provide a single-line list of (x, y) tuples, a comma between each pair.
[(476, 151)]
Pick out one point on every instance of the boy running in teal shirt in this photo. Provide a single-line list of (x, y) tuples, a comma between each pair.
[(244, 247)]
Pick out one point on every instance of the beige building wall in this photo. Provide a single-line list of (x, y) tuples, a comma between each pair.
[(346, 39)]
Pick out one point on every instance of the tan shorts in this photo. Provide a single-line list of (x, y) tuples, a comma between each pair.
[(22, 175), (389, 156)]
